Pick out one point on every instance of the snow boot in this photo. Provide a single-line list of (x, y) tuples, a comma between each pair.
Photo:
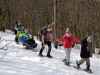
[(88, 70), (64, 60), (78, 65), (41, 55), (67, 63), (49, 56)]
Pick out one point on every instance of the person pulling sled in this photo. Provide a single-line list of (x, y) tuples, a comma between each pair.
[(18, 28)]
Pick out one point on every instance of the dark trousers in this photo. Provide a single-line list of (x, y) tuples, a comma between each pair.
[(15, 31), (16, 38), (30, 42), (49, 47)]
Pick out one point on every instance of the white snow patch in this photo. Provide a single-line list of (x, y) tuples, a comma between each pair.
[(19, 61)]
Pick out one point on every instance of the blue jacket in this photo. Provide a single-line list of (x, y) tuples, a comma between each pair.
[(23, 37), (19, 27)]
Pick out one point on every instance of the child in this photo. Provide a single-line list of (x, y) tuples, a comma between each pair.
[(86, 52)]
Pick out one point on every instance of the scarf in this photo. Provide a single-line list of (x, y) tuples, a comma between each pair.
[(68, 35)]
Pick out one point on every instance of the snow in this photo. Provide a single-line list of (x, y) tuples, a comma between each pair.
[(19, 61), (97, 50)]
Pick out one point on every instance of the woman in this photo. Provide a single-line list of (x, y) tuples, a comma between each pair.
[(68, 39), (18, 27)]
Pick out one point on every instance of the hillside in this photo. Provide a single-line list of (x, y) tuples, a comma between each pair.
[(19, 61)]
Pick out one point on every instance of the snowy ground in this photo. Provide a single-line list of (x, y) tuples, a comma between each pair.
[(19, 61)]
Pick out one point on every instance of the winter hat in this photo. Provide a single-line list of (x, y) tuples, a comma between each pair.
[(90, 38)]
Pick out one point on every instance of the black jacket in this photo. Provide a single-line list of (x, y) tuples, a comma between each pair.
[(84, 46)]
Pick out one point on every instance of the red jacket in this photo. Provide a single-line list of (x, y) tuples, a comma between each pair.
[(68, 40)]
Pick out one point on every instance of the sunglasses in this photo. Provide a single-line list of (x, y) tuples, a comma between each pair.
[(67, 32)]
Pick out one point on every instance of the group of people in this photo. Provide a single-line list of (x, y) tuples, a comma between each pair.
[(23, 36), (46, 39), (86, 48)]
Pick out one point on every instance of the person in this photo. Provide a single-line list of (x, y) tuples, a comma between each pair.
[(18, 27), (41, 32), (86, 52), (68, 39), (46, 40), (27, 40)]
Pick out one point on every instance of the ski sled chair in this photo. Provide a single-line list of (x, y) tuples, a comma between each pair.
[(29, 44), (26, 40)]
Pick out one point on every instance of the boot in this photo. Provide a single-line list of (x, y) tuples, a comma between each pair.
[(64, 60), (67, 63), (78, 65), (49, 56), (40, 53), (88, 68)]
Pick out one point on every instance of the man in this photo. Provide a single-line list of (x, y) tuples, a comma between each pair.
[(46, 39), (86, 52), (26, 40)]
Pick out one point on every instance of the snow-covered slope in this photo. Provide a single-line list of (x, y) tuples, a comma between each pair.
[(19, 61)]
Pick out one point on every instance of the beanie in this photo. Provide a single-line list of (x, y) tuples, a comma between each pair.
[(90, 38)]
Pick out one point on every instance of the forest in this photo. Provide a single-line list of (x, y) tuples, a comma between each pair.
[(81, 16)]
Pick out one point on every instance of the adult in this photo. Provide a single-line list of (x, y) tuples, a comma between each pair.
[(46, 40), (26, 39), (68, 39), (18, 27)]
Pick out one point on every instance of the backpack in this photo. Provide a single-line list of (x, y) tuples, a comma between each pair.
[(41, 32), (44, 28)]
